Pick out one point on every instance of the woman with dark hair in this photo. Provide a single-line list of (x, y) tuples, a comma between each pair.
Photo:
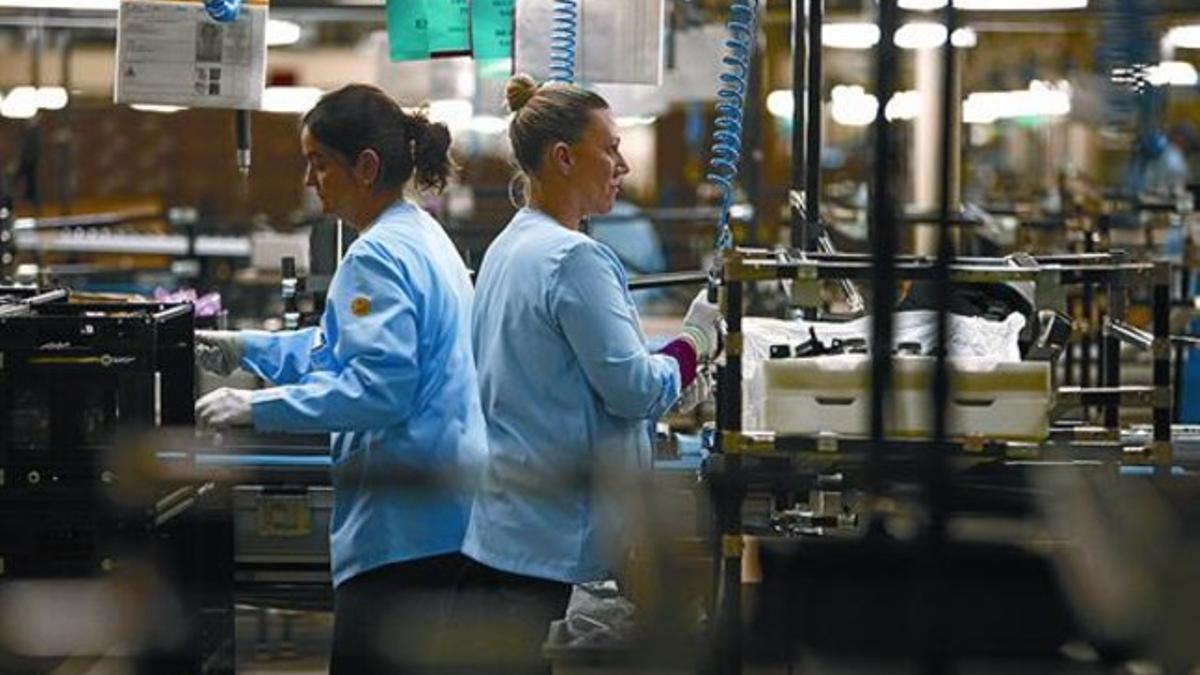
[(389, 372), (566, 381)]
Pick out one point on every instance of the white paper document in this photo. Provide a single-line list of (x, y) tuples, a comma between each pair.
[(171, 52), (617, 42)]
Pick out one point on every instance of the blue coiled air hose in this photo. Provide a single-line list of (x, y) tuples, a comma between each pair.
[(564, 35), (731, 102)]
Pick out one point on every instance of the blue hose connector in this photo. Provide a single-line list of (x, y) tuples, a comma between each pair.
[(224, 11)]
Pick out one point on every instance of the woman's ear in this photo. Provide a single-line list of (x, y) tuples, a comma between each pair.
[(367, 169), (561, 157)]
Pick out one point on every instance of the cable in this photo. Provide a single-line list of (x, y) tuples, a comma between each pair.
[(731, 101), (564, 35), (226, 11), (241, 132)]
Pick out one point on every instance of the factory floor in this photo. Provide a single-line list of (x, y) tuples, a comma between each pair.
[(293, 642)]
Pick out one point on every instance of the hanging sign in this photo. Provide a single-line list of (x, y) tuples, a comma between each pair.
[(171, 52), (491, 28)]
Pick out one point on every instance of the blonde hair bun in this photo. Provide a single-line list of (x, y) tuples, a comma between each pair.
[(519, 90)]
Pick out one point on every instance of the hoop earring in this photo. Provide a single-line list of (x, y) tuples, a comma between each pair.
[(518, 177)]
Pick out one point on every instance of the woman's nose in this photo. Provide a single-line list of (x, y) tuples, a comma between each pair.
[(622, 165)]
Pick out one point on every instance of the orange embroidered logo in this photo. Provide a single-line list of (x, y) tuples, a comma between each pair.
[(360, 306)]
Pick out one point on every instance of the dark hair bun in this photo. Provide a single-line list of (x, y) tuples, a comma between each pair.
[(431, 153), (519, 90)]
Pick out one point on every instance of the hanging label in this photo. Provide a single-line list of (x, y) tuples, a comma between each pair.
[(408, 30), (420, 29), (449, 27), (492, 28), (170, 52)]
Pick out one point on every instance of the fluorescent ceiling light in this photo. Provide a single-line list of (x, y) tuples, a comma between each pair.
[(850, 35), (852, 106), (914, 35), (920, 35), (290, 99), (1040, 100), (94, 5), (781, 104), (996, 5), (1173, 73), (20, 103), (51, 98), (964, 38), (146, 107), (1184, 37), (282, 33), (905, 105), (635, 121)]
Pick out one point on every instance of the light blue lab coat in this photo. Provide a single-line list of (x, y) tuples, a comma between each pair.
[(390, 373), (567, 386)]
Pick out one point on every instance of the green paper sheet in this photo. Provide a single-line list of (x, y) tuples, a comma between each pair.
[(407, 27), (449, 27), (492, 28)]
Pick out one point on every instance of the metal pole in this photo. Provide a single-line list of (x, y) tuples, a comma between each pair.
[(1162, 363), (752, 131), (807, 69), (812, 129), (883, 245), (799, 229), (1089, 319), (1112, 344), (728, 493), (939, 479)]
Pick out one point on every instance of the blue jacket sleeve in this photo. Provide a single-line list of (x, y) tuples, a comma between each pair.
[(374, 375), (283, 357), (590, 302)]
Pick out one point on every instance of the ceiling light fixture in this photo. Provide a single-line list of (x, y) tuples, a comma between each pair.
[(996, 5), (1173, 73), (51, 98), (1184, 37), (20, 103), (850, 35), (290, 99), (148, 107), (282, 33)]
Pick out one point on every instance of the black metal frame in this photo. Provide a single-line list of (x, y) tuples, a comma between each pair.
[(744, 461), (97, 374)]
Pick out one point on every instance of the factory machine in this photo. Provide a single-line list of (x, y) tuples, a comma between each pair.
[(953, 478), (140, 560)]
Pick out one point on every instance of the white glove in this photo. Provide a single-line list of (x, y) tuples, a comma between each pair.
[(223, 408), (219, 351), (702, 325), (695, 393)]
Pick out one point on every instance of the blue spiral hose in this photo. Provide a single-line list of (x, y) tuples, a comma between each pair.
[(564, 34), (731, 101), (224, 11)]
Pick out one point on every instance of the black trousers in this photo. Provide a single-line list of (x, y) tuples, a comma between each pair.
[(499, 621), (392, 620)]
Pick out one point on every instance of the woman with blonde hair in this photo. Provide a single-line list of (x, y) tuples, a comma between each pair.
[(566, 381)]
